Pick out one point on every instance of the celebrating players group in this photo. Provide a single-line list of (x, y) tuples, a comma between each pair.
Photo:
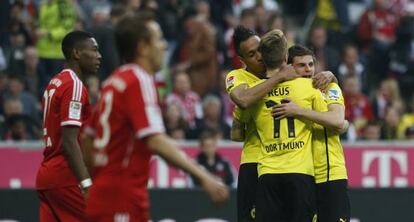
[(96, 160)]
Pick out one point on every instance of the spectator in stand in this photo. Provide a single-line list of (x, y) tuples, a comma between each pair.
[(91, 8), (188, 101), (56, 19), (197, 51), (388, 95), (33, 73), (328, 58), (168, 16), (18, 37), (248, 20), (276, 21), (351, 66), (104, 34), (402, 55), (212, 161), (262, 15), (332, 15), (18, 129), (376, 31), (358, 109), (407, 121), (212, 118), (15, 90), (17, 126), (10, 107), (372, 131), (174, 121), (390, 123)]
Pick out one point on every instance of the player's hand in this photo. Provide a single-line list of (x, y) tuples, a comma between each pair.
[(288, 108), (321, 80), (287, 72), (216, 190)]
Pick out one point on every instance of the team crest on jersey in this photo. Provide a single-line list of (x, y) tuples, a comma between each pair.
[(75, 110), (230, 82), (333, 94)]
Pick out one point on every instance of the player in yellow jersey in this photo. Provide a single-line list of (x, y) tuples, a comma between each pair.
[(239, 85), (286, 187), (329, 161)]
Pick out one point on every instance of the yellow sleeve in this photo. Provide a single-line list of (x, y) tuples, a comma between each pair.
[(234, 79), (241, 115), (333, 94), (319, 103)]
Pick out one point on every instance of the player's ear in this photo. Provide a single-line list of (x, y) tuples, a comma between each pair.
[(143, 48), (76, 53)]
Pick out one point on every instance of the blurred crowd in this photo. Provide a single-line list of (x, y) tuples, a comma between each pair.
[(367, 44)]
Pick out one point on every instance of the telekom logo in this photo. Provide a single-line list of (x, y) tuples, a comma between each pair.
[(384, 177)]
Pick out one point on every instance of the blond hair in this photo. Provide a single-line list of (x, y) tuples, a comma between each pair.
[(273, 47)]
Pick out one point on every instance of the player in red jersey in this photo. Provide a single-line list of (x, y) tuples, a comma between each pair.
[(129, 129), (62, 175)]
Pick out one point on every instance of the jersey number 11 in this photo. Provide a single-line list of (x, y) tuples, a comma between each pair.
[(276, 122)]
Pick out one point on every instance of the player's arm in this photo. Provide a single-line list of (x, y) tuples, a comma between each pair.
[(334, 118), (87, 147), (168, 150), (237, 132), (73, 154), (244, 96)]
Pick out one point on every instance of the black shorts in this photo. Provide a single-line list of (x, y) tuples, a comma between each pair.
[(333, 201), (286, 197), (246, 192)]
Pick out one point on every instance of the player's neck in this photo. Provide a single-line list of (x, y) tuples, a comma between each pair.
[(145, 65), (74, 67), (272, 72)]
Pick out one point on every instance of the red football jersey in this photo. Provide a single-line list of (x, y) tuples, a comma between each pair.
[(127, 112), (65, 103)]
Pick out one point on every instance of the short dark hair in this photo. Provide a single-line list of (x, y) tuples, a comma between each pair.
[(72, 40), (273, 47), (130, 30), (298, 50), (240, 35)]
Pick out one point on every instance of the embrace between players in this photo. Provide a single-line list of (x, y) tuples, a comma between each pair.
[(285, 149), (292, 164)]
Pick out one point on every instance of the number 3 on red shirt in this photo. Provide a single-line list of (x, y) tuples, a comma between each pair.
[(100, 143)]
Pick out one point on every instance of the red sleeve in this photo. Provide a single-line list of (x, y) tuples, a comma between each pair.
[(142, 107), (74, 104)]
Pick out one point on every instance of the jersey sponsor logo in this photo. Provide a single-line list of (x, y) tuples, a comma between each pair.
[(230, 81), (75, 110), (333, 94), (284, 146)]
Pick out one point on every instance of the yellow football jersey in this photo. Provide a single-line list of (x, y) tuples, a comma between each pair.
[(328, 154), (286, 143), (251, 145)]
